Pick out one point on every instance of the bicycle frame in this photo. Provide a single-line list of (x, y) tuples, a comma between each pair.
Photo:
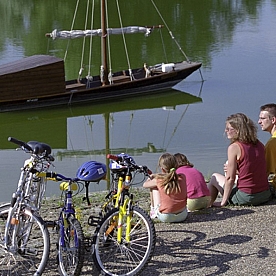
[(124, 238), (123, 201), (27, 196), (66, 212), (29, 192)]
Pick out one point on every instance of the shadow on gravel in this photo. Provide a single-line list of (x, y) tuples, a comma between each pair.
[(180, 251), (192, 250), (215, 214)]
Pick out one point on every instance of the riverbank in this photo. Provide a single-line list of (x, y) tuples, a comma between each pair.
[(217, 241)]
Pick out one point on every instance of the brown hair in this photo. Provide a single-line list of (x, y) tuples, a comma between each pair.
[(245, 127), (182, 160), (270, 108), (169, 179)]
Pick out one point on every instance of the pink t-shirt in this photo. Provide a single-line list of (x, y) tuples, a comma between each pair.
[(176, 202), (196, 185)]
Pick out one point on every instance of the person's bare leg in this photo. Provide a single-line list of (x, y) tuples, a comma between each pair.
[(155, 197), (215, 186)]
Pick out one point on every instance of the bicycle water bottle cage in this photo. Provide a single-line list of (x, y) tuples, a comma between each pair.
[(40, 148), (91, 171)]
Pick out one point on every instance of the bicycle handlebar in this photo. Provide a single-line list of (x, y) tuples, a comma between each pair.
[(57, 176), (62, 177), (34, 147), (128, 161), (20, 143), (114, 157)]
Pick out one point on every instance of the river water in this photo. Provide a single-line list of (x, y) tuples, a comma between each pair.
[(234, 40)]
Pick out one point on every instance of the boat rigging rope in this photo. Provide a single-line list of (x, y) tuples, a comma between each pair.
[(181, 118), (163, 44), (165, 130), (73, 22), (110, 79), (83, 42), (177, 125), (89, 76), (170, 32), (129, 133), (124, 40)]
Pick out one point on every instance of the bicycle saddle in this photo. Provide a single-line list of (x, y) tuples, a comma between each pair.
[(39, 148)]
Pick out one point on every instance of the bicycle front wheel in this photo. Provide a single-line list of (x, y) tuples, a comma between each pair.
[(27, 245), (125, 258), (71, 249)]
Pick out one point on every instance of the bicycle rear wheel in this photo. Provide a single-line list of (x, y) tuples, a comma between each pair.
[(126, 258), (30, 253), (71, 255)]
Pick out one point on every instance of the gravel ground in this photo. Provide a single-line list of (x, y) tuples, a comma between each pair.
[(217, 241)]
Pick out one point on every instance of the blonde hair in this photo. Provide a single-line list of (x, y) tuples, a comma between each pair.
[(169, 179), (245, 127), (182, 160)]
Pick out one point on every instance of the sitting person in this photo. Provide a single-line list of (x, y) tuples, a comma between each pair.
[(198, 195), (246, 157), (168, 191), (267, 121)]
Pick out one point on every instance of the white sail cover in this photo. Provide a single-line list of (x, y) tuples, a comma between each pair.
[(55, 34)]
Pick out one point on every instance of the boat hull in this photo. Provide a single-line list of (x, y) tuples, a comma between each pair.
[(53, 91)]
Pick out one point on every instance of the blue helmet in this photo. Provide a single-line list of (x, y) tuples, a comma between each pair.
[(92, 171)]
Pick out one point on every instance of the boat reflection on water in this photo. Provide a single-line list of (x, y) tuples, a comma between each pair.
[(62, 128), (50, 125)]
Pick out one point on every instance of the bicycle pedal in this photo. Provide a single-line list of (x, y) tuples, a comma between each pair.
[(50, 223), (93, 221)]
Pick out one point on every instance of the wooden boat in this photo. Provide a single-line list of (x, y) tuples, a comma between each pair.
[(39, 81)]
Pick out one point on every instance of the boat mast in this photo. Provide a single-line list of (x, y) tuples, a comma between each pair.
[(103, 43)]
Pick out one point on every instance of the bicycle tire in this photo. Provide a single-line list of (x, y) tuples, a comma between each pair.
[(32, 254), (71, 257), (127, 258)]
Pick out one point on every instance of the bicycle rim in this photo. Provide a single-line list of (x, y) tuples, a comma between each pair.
[(126, 258), (71, 257), (33, 245)]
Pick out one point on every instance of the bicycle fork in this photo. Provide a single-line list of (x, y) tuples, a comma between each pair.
[(124, 216)]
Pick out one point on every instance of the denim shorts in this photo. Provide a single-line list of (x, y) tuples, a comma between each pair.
[(173, 217)]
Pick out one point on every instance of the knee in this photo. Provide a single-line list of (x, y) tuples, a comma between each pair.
[(213, 180)]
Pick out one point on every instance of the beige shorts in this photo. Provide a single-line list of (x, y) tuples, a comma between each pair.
[(194, 204)]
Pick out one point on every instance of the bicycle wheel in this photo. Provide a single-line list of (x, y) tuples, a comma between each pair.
[(71, 255), (30, 253), (126, 258)]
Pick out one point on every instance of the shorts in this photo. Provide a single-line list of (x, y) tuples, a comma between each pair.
[(172, 217), (237, 197), (194, 204)]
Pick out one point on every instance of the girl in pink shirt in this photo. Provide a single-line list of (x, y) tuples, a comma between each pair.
[(197, 191)]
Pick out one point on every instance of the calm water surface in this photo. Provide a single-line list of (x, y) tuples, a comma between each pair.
[(234, 40)]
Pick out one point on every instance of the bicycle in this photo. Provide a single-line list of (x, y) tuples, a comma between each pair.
[(71, 240), (70, 244), (24, 237), (124, 238)]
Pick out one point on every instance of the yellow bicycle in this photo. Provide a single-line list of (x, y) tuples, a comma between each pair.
[(124, 239)]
